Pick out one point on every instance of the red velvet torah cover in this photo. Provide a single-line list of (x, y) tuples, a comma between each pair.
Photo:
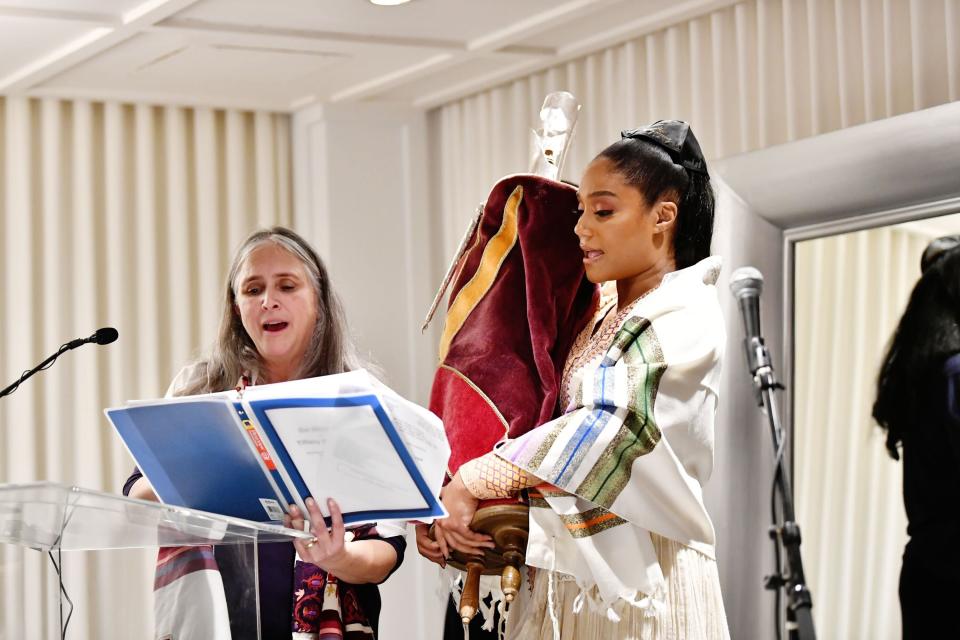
[(518, 299)]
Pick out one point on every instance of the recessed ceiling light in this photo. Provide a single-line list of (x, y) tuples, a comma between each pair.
[(389, 3)]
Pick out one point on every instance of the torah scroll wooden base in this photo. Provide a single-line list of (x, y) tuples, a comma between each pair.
[(506, 521)]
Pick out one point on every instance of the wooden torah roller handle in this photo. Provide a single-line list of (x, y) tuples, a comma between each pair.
[(506, 521)]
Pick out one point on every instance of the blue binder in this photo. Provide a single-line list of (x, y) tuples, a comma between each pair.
[(208, 454)]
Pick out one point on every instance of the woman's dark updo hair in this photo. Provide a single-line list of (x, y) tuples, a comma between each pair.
[(927, 335), (650, 168)]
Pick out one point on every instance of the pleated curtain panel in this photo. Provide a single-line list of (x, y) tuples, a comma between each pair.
[(748, 75), (851, 290), (123, 216)]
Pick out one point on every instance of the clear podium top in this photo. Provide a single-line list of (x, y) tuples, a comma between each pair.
[(47, 515)]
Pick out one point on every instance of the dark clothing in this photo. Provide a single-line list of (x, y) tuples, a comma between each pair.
[(275, 564), (128, 485), (930, 578), (927, 601), (453, 625)]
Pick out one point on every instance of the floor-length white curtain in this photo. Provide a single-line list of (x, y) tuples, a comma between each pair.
[(850, 292), (750, 75), (111, 215)]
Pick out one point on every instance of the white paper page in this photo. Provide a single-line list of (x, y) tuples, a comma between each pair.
[(422, 432), (343, 453)]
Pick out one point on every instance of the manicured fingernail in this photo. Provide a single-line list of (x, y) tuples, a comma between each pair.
[(310, 501)]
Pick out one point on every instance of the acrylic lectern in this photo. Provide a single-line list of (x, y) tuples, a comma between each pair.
[(51, 517)]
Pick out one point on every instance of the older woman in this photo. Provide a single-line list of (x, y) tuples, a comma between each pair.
[(282, 321), (620, 542)]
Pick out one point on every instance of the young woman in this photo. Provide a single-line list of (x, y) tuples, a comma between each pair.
[(620, 543), (282, 321), (918, 403)]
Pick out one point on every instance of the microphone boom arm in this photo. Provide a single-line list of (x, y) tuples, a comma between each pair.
[(102, 336), (40, 367)]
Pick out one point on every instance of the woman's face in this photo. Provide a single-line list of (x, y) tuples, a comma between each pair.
[(621, 236), (278, 307)]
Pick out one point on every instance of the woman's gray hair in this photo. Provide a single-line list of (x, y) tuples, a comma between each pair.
[(234, 353)]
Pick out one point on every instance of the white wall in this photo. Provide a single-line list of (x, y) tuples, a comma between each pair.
[(739, 489)]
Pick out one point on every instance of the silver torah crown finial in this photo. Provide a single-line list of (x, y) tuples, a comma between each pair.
[(558, 118)]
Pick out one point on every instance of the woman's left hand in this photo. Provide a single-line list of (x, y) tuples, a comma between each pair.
[(328, 546), (454, 531)]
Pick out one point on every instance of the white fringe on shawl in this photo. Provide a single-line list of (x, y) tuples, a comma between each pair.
[(694, 607)]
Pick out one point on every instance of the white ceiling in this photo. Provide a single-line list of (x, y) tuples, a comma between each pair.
[(285, 54)]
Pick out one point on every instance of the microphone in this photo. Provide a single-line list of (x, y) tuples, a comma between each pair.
[(106, 335), (746, 284)]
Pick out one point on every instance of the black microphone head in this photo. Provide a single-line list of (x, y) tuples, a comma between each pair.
[(746, 281), (105, 335)]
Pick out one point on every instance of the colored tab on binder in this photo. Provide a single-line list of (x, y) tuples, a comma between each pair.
[(258, 443)]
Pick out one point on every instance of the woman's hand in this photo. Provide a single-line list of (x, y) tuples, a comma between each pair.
[(327, 550), (428, 547), (454, 531), (366, 561)]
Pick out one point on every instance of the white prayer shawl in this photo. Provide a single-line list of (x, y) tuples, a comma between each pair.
[(631, 456), (189, 600)]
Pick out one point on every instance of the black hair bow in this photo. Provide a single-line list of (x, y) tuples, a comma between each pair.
[(677, 139)]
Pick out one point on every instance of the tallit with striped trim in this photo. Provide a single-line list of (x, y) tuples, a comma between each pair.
[(631, 455)]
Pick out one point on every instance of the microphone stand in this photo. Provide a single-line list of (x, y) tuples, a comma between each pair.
[(799, 602), (73, 344)]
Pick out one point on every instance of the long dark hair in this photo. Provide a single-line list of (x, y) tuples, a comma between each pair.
[(234, 354), (928, 334), (650, 169)]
